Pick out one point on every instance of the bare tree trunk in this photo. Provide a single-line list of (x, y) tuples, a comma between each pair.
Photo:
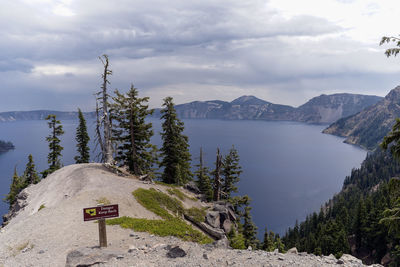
[(107, 152), (98, 133), (217, 177)]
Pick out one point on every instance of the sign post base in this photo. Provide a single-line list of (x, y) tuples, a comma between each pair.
[(102, 233)]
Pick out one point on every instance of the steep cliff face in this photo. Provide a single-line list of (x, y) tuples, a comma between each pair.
[(368, 127), (330, 108), (320, 110)]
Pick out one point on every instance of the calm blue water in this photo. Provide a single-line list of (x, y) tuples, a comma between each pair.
[(289, 169)]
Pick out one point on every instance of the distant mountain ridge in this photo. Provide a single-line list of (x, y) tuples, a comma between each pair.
[(322, 109), (368, 127), (41, 115)]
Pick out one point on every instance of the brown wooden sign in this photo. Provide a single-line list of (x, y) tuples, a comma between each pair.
[(100, 212)]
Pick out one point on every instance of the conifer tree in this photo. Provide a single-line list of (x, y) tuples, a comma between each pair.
[(30, 175), (131, 132), (249, 229), (15, 188), (175, 149), (54, 145), (231, 173), (203, 178), (82, 138), (217, 177), (268, 243)]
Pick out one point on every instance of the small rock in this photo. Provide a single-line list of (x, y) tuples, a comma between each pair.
[(339, 262), (119, 257), (222, 243), (249, 248), (292, 251), (131, 248), (41, 252), (349, 258), (25, 249), (281, 258), (176, 252), (132, 235), (276, 251), (205, 256)]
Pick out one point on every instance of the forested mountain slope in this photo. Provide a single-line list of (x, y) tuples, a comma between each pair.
[(368, 127), (350, 222)]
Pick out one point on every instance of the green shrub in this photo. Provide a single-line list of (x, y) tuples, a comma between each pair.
[(41, 207), (160, 203), (171, 227), (154, 201), (196, 214)]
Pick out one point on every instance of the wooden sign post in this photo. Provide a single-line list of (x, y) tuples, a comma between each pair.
[(100, 213)]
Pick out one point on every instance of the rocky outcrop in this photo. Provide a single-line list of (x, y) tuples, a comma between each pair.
[(19, 204), (368, 127), (320, 110)]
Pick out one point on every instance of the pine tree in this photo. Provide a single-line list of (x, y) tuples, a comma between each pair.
[(15, 188), (131, 132), (217, 177), (175, 149), (30, 175), (249, 229), (268, 243), (82, 138), (360, 223), (54, 145), (203, 179), (231, 173)]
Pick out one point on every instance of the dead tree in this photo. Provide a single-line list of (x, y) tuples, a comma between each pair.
[(217, 177), (103, 116)]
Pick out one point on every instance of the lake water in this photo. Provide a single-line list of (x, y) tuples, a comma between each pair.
[(289, 169)]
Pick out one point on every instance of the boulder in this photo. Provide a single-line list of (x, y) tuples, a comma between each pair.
[(176, 252), (216, 233), (213, 219), (346, 258), (89, 257), (292, 251), (227, 226), (192, 187)]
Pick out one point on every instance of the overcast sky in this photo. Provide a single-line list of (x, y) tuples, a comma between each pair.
[(283, 51)]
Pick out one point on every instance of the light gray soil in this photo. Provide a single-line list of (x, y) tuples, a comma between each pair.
[(46, 237)]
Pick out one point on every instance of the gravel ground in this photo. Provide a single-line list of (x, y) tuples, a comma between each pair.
[(57, 232)]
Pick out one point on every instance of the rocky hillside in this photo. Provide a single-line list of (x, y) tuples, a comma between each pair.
[(40, 115), (368, 127), (330, 108), (46, 227), (320, 110)]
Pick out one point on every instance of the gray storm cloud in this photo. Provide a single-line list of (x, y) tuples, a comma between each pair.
[(190, 50)]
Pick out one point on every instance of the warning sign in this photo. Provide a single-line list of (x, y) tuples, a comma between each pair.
[(101, 212)]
